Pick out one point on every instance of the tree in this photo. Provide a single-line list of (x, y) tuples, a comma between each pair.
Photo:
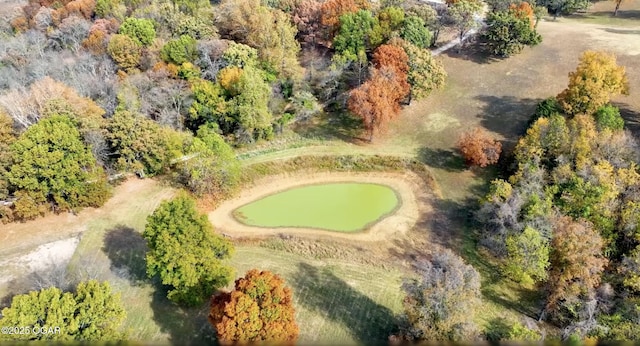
[(592, 84), (608, 117), (564, 7), (350, 43), (439, 306), (478, 148), (308, 17), (630, 270), (139, 144), (389, 20), (277, 45), (462, 15), (528, 257), (618, 2), (269, 31), (51, 164), (415, 32), (433, 18), (260, 308), (377, 101), (214, 170), (208, 104), (125, 51), (46, 97), (140, 30), (508, 32), (333, 10), (6, 138), (576, 266), (185, 253), (180, 50), (91, 313), (425, 73), (246, 114), (394, 58)]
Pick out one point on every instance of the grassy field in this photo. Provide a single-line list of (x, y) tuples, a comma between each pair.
[(335, 300)]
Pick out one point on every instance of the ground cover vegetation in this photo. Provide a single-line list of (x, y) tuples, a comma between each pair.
[(95, 90)]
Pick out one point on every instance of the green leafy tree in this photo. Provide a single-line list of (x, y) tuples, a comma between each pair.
[(208, 105), (350, 43), (564, 7), (277, 46), (592, 84), (426, 74), (389, 20), (139, 143), (260, 308), (185, 252), (240, 55), (247, 116), (125, 51), (608, 117), (527, 257), (140, 30), (91, 313), (50, 163), (508, 32), (180, 50), (214, 170), (461, 15), (414, 30)]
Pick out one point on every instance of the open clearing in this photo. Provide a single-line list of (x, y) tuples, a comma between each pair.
[(341, 293)]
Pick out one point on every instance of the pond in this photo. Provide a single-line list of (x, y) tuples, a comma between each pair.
[(342, 207)]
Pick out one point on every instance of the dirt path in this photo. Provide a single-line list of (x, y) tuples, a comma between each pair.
[(407, 185), (17, 238)]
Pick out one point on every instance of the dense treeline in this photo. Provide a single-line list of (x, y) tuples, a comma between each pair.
[(170, 87), (567, 219)]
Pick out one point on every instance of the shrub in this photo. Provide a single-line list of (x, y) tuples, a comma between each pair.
[(479, 148), (125, 51), (608, 117), (139, 29), (180, 50)]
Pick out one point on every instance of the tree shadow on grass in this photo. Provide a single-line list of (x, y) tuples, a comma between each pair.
[(185, 326), (445, 159), (474, 50), (369, 322), (631, 118), (339, 125), (507, 115), (126, 249)]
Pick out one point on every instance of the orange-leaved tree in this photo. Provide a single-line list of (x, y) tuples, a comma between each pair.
[(260, 308), (524, 10), (479, 148), (397, 60), (377, 101)]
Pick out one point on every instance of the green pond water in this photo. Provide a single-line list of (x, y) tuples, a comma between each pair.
[(343, 207)]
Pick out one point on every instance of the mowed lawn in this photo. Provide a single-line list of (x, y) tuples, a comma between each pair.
[(336, 302)]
